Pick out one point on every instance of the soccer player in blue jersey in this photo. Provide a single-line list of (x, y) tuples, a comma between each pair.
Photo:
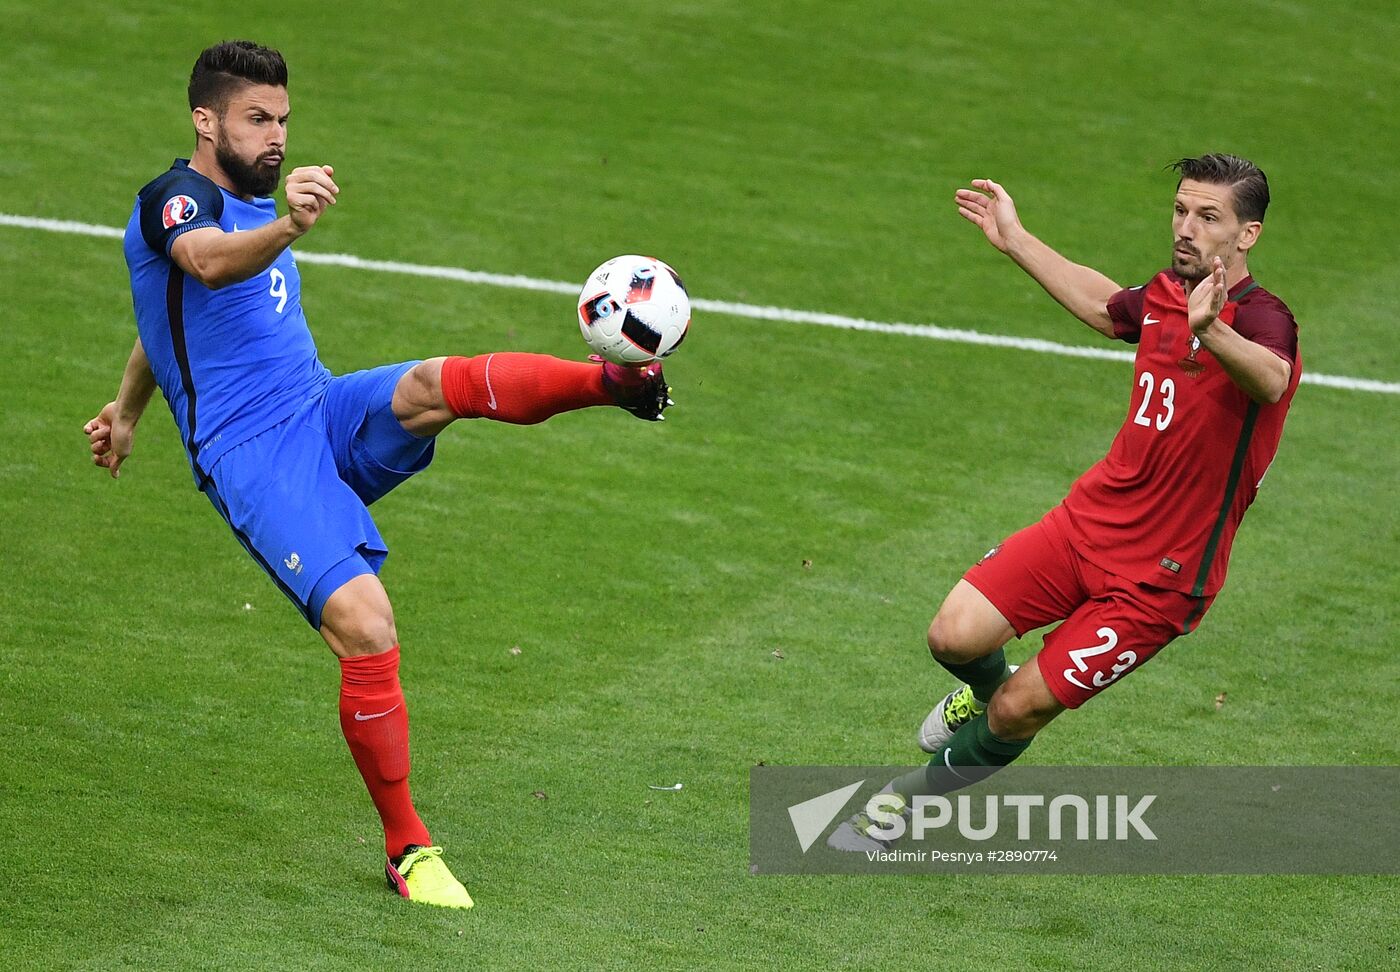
[(290, 455)]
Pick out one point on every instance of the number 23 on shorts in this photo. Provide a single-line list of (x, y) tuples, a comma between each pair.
[(1126, 659)]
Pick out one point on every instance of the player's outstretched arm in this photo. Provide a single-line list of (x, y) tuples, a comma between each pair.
[(1081, 290), (112, 430), (217, 259), (1260, 373)]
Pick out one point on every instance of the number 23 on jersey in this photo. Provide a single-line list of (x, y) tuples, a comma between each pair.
[(1158, 402)]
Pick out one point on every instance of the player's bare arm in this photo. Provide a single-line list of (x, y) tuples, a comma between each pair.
[(1081, 290), (112, 430), (217, 259), (1259, 372)]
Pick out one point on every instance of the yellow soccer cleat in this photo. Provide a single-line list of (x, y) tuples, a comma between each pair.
[(958, 708), (420, 875)]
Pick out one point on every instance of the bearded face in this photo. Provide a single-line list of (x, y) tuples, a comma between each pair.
[(1205, 226), (256, 176), (249, 138)]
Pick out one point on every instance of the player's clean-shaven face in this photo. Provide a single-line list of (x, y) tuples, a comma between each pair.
[(1204, 226), (251, 138)]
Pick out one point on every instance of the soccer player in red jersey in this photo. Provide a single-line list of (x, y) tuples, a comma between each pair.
[(289, 455), (1137, 551)]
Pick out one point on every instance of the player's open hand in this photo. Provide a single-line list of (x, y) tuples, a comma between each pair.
[(111, 439), (990, 208), (310, 191), (1207, 299)]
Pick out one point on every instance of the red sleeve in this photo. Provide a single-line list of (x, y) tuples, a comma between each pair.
[(1125, 308), (1270, 323)]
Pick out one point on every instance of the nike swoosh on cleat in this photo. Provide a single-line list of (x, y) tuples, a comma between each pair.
[(489, 390), (374, 715)]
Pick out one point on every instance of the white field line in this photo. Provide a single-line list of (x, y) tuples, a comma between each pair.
[(755, 311)]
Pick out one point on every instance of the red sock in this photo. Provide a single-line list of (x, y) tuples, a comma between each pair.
[(375, 723), (520, 388)]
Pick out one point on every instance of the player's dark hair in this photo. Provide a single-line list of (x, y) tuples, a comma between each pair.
[(224, 68), (1247, 180)]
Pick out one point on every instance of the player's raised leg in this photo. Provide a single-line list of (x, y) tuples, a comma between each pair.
[(522, 389), (966, 637), (1028, 581), (357, 622), (1018, 709), (1118, 627), (986, 723)]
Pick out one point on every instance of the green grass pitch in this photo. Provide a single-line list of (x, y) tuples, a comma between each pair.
[(174, 790)]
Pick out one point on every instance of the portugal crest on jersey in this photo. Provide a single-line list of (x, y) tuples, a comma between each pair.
[(1189, 364), (177, 210)]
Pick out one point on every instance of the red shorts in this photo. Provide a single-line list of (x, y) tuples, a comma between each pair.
[(1111, 625)]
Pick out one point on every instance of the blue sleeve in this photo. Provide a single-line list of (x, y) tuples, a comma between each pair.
[(175, 204)]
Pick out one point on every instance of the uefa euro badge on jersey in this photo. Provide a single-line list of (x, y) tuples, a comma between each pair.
[(1189, 364), (177, 210)]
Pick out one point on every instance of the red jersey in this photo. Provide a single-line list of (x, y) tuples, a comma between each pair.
[(1163, 506)]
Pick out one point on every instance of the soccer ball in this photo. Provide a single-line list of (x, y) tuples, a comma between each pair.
[(634, 309)]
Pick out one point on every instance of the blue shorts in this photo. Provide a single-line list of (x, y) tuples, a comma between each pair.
[(297, 495)]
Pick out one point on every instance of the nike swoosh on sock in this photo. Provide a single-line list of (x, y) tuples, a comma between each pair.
[(374, 715)]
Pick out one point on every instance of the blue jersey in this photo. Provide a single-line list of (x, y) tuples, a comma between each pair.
[(231, 362)]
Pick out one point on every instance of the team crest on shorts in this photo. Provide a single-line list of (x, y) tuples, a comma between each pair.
[(177, 210)]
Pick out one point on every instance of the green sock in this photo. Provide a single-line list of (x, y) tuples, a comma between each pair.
[(974, 747), (982, 674)]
